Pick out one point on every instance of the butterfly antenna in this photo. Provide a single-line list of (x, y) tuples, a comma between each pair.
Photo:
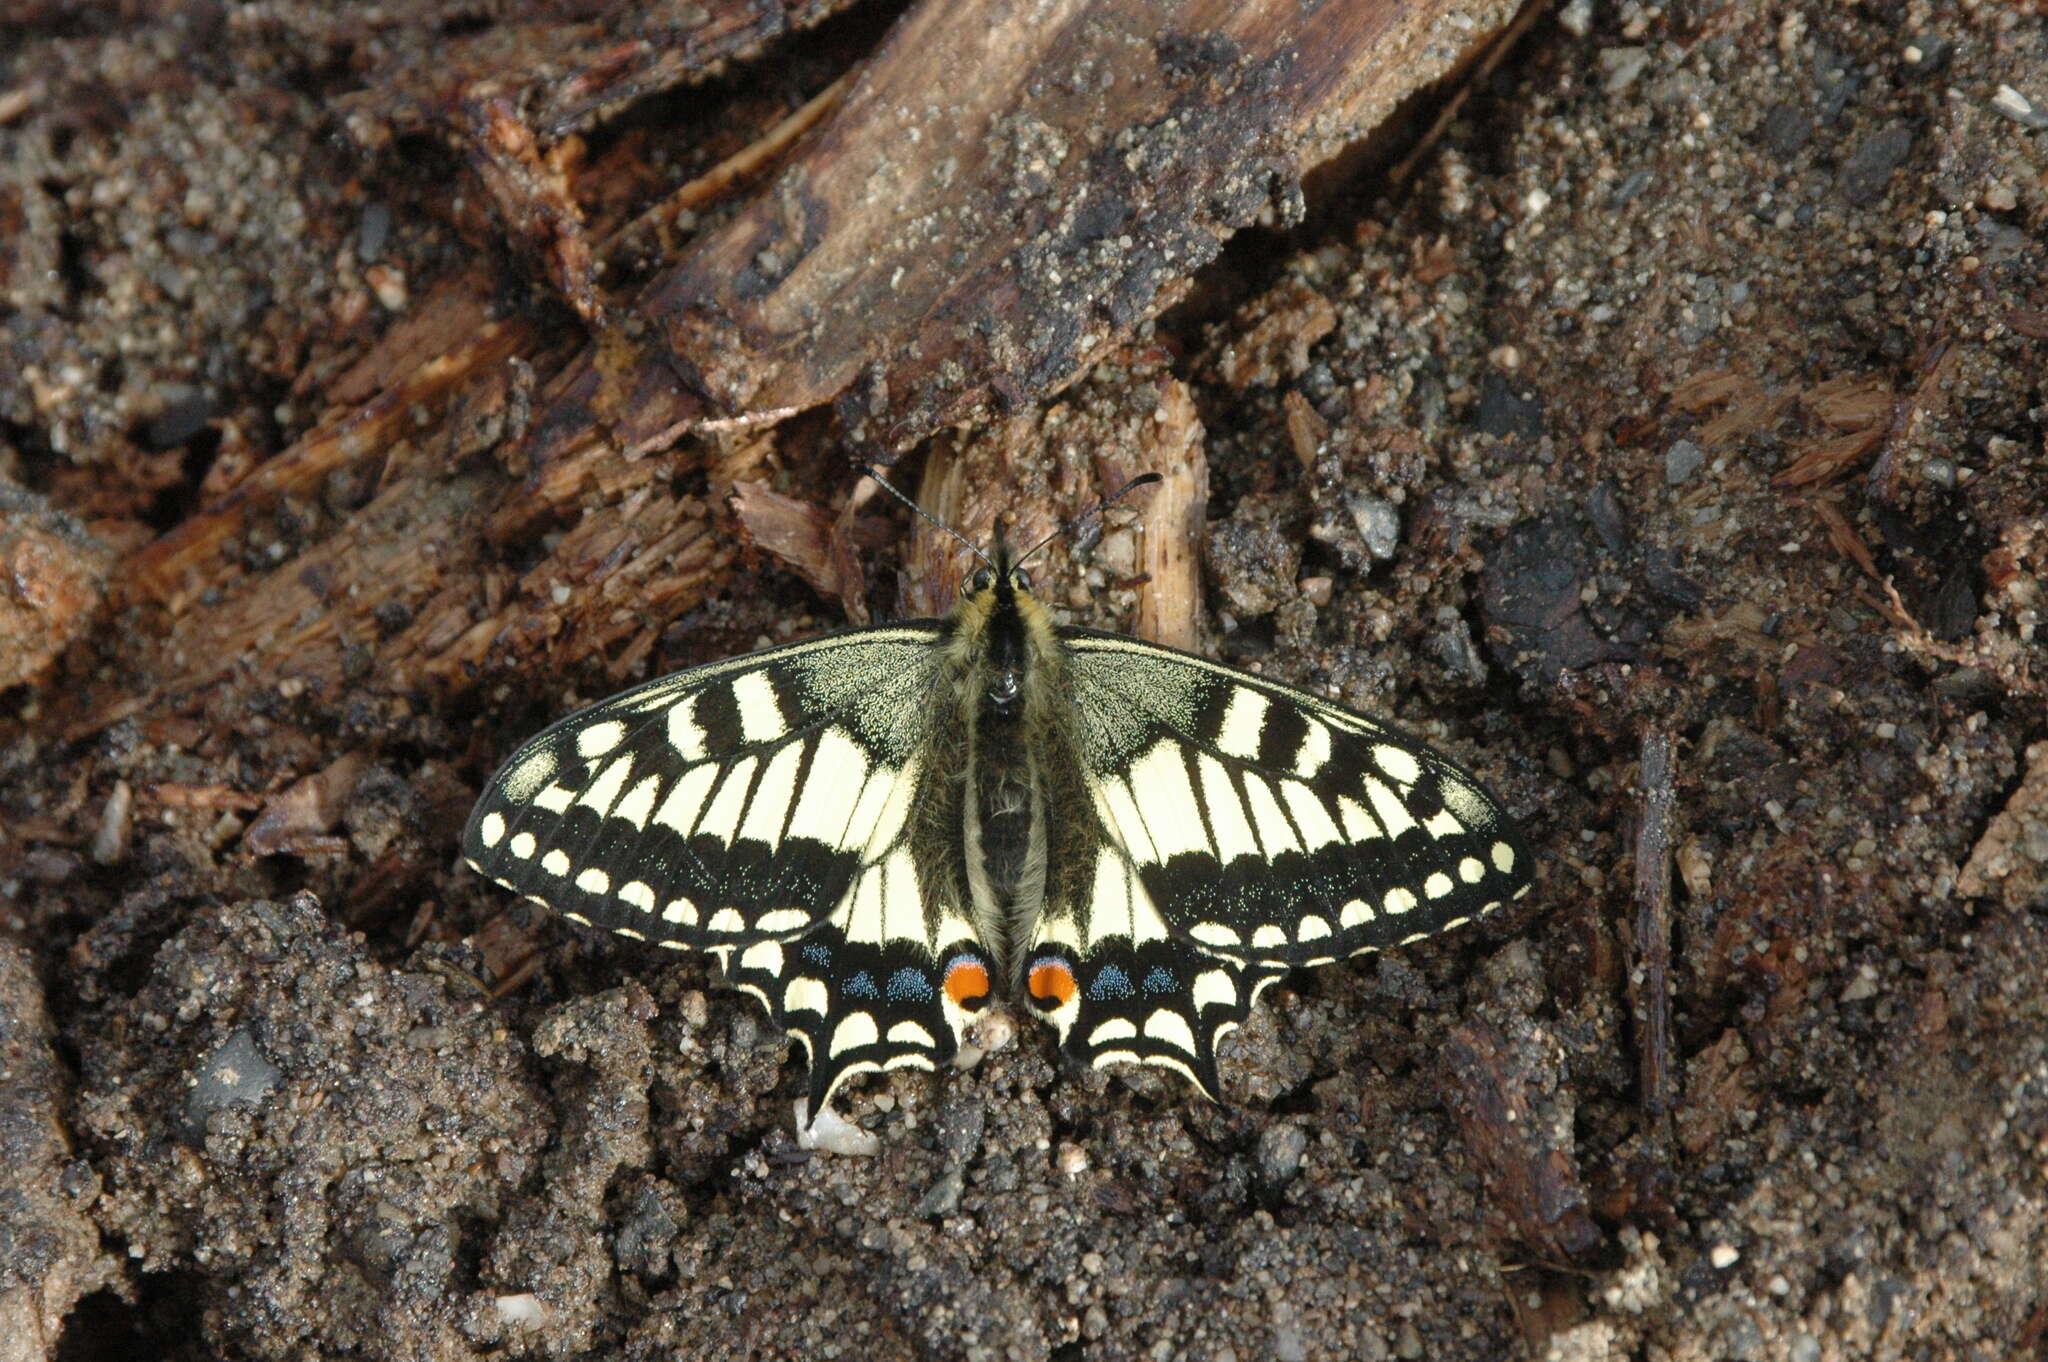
[(929, 518), (1142, 480)]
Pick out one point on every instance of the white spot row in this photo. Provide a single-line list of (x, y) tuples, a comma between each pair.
[(858, 1030), (1164, 1025)]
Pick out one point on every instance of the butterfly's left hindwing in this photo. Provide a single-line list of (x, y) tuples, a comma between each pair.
[(762, 810)]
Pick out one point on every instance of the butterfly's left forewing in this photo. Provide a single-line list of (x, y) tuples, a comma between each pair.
[(761, 810)]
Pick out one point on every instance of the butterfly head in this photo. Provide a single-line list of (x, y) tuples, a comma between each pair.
[(1000, 576), (1006, 626)]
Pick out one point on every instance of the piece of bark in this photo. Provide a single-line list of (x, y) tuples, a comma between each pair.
[(297, 818), (1176, 515), (568, 72), (920, 263), (531, 191), (1271, 341), (1649, 981), (52, 578), (1720, 1090), (1031, 475), (1501, 1091), (795, 532)]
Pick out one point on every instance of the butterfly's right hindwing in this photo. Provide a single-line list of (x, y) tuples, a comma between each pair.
[(721, 806)]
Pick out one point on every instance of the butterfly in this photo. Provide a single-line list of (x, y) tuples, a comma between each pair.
[(879, 833)]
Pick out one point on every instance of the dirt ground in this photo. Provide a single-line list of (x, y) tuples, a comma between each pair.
[(1669, 441)]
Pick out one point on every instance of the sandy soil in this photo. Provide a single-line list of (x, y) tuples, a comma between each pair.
[(1612, 420)]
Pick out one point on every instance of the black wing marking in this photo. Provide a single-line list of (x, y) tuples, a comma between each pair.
[(1268, 826), (720, 806)]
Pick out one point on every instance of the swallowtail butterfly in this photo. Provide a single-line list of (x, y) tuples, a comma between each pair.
[(880, 832)]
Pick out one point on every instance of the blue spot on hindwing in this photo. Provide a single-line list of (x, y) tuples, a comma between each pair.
[(908, 984), (1161, 980), (1110, 982), (862, 985), (818, 953)]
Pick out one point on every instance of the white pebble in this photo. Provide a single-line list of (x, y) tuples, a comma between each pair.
[(832, 1133)]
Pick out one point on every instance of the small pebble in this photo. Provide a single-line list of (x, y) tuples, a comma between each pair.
[(236, 1071), (2018, 108), (942, 1197), (1621, 66), (110, 839), (832, 1133), (1280, 1151), (1681, 461), (388, 283), (374, 232), (1379, 524), (1723, 1256), (961, 1121)]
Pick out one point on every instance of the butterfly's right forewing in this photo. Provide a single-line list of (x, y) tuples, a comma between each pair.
[(766, 810)]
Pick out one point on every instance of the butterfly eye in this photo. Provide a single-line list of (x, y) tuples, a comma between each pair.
[(981, 579), (1022, 579)]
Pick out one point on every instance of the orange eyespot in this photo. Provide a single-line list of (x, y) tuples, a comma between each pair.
[(967, 983), (1052, 984)]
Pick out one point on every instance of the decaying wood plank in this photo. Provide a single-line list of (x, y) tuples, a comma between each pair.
[(568, 71), (920, 262), (913, 263), (406, 597), (170, 568)]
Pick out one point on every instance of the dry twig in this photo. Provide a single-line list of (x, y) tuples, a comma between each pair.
[(1649, 983)]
